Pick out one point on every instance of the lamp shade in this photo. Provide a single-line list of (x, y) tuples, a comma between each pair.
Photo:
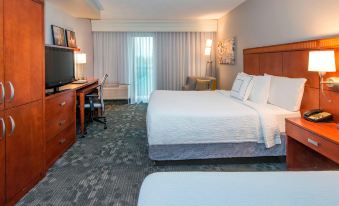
[(209, 43), (208, 51), (81, 58), (321, 61)]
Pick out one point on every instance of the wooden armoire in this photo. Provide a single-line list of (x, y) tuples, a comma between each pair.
[(21, 97)]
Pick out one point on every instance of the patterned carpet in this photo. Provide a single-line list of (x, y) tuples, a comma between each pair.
[(108, 166)]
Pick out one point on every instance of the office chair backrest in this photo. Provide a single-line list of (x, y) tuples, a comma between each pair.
[(103, 80), (101, 88)]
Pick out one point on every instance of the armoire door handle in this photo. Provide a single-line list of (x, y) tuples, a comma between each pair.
[(3, 128), (12, 90), (12, 125), (2, 92)]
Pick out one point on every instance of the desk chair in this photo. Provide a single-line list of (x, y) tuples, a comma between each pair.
[(96, 102)]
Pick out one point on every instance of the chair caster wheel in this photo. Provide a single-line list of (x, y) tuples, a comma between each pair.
[(82, 136), (105, 127)]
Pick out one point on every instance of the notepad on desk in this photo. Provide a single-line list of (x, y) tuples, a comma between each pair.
[(80, 81)]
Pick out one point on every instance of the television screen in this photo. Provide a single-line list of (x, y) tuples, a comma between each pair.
[(59, 64)]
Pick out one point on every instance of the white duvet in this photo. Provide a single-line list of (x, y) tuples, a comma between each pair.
[(191, 117), (240, 189)]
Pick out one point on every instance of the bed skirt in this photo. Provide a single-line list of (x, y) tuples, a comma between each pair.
[(215, 151)]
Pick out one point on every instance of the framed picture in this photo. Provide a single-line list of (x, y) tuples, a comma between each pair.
[(226, 51), (58, 36), (71, 40)]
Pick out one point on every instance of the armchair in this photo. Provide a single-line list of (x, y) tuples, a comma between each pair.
[(191, 83)]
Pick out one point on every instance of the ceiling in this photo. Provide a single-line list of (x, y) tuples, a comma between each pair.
[(167, 9), (78, 8), (147, 9)]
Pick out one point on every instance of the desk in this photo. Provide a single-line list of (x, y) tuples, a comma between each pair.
[(311, 146), (81, 91)]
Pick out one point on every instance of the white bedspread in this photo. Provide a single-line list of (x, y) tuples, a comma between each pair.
[(240, 189), (182, 117)]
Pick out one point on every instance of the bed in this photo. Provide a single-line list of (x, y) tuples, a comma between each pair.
[(184, 125), (240, 189)]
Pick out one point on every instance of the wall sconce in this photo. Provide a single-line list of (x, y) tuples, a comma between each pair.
[(322, 62), (209, 43), (332, 82), (208, 51)]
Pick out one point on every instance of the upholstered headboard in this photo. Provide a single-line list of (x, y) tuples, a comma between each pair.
[(291, 60)]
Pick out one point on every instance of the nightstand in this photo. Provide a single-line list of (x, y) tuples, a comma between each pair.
[(311, 146)]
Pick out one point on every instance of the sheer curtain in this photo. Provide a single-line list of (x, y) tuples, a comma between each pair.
[(178, 55), (111, 56), (150, 60)]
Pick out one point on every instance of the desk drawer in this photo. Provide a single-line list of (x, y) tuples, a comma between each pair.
[(313, 141), (59, 144), (60, 113)]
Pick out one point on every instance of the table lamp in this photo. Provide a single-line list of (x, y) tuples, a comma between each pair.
[(80, 60)]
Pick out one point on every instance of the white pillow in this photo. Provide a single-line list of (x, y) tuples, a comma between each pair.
[(286, 92), (242, 86), (261, 89)]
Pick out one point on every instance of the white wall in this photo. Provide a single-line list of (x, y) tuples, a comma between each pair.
[(265, 22), (82, 28)]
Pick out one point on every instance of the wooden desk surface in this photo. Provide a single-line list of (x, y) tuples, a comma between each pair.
[(71, 86), (326, 130)]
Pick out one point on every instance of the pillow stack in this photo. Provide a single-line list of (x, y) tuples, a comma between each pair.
[(283, 92)]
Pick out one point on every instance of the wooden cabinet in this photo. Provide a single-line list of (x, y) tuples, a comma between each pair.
[(311, 146), (2, 159), (2, 137), (2, 99), (59, 144), (24, 51), (60, 113), (21, 97), (24, 147), (60, 124)]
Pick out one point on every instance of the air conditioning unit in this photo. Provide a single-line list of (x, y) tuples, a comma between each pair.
[(115, 92)]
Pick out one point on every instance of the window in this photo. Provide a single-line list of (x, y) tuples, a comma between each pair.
[(143, 68)]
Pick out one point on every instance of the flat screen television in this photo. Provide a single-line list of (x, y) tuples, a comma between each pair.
[(59, 64)]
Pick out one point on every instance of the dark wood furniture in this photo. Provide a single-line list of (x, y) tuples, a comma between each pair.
[(81, 91), (2, 137), (291, 60), (311, 146), (59, 124), (60, 118), (21, 97)]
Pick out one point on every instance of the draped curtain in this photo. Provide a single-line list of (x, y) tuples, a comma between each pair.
[(150, 60)]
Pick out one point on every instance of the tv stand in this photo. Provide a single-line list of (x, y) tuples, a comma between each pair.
[(55, 90), (60, 117)]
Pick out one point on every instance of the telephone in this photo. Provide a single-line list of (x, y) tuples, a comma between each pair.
[(318, 115)]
